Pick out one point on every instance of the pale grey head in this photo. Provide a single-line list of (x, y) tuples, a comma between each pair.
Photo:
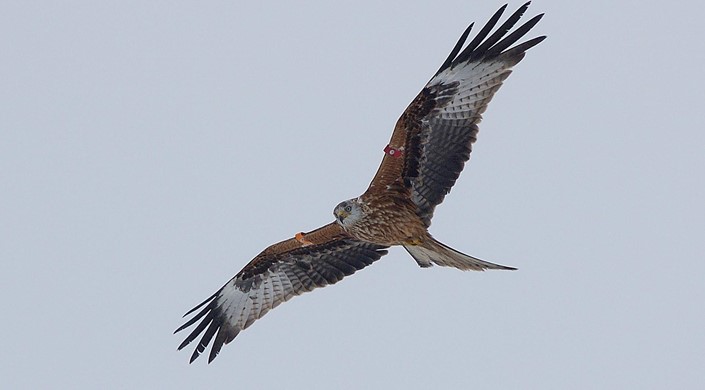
[(348, 212)]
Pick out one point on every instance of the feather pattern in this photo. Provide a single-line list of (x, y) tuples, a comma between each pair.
[(279, 273), (440, 125)]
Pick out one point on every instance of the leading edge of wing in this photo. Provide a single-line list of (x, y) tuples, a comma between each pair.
[(292, 267)]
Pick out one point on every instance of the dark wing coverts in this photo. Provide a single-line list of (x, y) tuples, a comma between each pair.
[(280, 272), (437, 130)]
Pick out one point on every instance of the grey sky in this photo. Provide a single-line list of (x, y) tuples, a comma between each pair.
[(149, 150)]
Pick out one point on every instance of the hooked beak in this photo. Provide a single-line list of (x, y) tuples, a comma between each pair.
[(341, 215)]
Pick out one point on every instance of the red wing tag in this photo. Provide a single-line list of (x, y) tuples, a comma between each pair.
[(393, 152)]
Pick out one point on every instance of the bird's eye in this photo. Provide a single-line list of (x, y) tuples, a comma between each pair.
[(348, 208)]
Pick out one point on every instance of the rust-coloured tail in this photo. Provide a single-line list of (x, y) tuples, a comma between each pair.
[(432, 252)]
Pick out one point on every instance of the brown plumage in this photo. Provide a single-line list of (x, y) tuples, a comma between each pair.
[(430, 144)]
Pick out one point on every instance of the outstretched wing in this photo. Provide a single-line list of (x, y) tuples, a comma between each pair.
[(282, 271), (433, 138)]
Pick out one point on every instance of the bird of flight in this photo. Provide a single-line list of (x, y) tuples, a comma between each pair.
[(429, 146)]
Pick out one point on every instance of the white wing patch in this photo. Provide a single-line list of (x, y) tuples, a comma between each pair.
[(241, 307), (269, 281), (477, 83)]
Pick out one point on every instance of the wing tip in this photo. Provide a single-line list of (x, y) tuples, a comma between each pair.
[(496, 44), (456, 49), (208, 321)]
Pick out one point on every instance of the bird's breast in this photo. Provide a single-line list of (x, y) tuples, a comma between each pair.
[(388, 221)]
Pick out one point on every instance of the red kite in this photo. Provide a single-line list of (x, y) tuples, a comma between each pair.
[(430, 144)]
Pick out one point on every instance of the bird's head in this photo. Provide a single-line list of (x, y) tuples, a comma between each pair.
[(348, 212)]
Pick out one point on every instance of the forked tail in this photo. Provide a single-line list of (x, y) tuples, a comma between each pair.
[(434, 252)]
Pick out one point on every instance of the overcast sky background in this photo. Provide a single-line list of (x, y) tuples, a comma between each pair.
[(149, 150)]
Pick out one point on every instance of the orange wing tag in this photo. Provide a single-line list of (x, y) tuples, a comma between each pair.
[(301, 237)]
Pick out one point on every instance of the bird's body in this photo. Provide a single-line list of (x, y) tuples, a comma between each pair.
[(429, 146), (386, 220)]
